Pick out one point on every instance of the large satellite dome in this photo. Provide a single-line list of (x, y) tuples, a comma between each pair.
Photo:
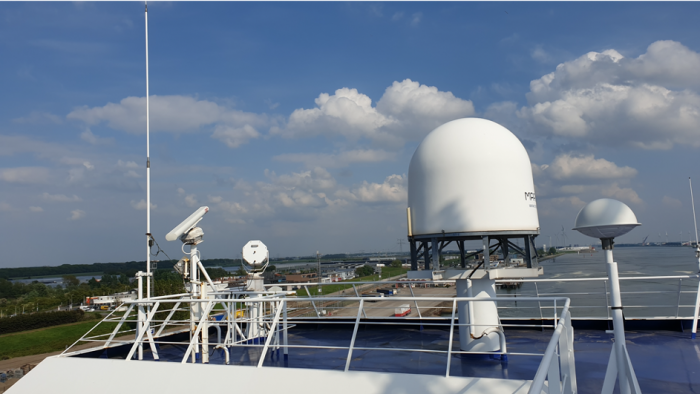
[(471, 176)]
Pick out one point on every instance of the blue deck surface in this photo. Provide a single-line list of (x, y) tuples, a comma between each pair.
[(664, 361)]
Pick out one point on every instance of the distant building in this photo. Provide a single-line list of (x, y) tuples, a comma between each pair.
[(301, 278)]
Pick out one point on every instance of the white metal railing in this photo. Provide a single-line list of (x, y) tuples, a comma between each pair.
[(557, 360), (679, 296)]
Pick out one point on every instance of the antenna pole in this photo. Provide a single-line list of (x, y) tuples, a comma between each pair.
[(148, 175)]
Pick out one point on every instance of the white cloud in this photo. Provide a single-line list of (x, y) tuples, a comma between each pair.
[(77, 214), (36, 117), (421, 105), (127, 164), (191, 200), (646, 102), (234, 137), (180, 190), (315, 179), (566, 166), (416, 18), (392, 190), (176, 114), (338, 160), (26, 175), (36, 209), (132, 174), (60, 198), (539, 54), (91, 138), (622, 193), (406, 111), (141, 205), (671, 202), (5, 207), (215, 199), (570, 179), (397, 16)]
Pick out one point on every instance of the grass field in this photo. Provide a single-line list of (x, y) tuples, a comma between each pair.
[(46, 340), (387, 272)]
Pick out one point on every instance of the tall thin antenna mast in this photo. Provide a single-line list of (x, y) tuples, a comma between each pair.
[(148, 174)]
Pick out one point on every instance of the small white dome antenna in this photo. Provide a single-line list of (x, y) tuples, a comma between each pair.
[(606, 219)]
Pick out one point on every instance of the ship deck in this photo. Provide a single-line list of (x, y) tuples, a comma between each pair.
[(664, 361)]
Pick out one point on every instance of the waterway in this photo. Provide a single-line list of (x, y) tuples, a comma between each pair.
[(641, 298)]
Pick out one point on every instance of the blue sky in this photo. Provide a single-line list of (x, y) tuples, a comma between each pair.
[(295, 122)]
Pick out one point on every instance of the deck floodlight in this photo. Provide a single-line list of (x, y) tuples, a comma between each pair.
[(606, 219), (255, 256)]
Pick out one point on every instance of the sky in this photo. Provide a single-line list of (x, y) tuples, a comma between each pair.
[(295, 122)]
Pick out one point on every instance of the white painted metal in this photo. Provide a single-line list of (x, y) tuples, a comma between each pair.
[(148, 171), (187, 224), (164, 377), (479, 323), (618, 322), (455, 181), (256, 255), (605, 218)]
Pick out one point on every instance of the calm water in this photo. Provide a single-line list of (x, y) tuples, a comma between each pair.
[(641, 298)]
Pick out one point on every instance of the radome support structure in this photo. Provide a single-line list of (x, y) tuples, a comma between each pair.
[(457, 192)]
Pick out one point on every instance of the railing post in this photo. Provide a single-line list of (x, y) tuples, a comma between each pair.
[(358, 296), (354, 335), (695, 314), (312, 302), (285, 327), (273, 328), (607, 300), (415, 302), (539, 304), (678, 303), (449, 344)]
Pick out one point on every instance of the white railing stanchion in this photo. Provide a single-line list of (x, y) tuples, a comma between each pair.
[(354, 335), (273, 328), (695, 314), (678, 302), (312, 302), (415, 302), (285, 326), (449, 343)]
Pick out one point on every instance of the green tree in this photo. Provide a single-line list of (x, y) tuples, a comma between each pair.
[(396, 263), (70, 280), (552, 250), (365, 270)]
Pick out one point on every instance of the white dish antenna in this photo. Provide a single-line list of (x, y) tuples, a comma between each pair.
[(187, 224), (605, 218), (256, 256)]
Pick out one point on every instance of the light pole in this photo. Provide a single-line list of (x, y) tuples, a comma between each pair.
[(606, 219)]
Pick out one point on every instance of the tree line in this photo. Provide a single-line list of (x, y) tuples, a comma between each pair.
[(129, 268)]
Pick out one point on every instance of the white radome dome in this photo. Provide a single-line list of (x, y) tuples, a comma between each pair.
[(471, 176), (605, 218)]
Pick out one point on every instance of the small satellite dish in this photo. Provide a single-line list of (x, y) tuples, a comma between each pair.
[(255, 256), (605, 218)]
